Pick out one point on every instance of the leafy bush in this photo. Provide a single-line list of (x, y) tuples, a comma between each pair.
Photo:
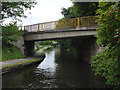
[(38, 46), (10, 52), (46, 42), (10, 33), (107, 63)]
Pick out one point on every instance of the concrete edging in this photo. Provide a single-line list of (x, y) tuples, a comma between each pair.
[(12, 67)]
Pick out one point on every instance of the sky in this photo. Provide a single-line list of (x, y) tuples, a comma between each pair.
[(45, 11)]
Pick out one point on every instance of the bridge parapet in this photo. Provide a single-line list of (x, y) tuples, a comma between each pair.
[(61, 24)]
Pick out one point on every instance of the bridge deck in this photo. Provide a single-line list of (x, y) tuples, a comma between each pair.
[(62, 33)]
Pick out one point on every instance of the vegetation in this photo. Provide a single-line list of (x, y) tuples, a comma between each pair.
[(80, 9), (38, 47), (15, 9), (45, 45), (21, 63), (10, 52), (107, 63), (10, 33), (49, 42)]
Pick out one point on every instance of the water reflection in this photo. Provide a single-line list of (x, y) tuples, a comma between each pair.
[(75, 73), (58, 70), (49, 63)]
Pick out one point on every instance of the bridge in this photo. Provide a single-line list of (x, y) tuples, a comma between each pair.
[(82, 26)]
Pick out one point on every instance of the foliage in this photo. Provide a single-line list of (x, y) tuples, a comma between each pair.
[(108, 66), (15, 9), (80, 9), (109, 21), (10, 33), (45, 45), (10, 52), (107, 63), (46, 42), (37, 46)]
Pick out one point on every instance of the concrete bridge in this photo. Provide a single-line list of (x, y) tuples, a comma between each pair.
[(82, 26)]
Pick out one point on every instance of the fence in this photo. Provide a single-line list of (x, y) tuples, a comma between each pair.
[(65, 23)]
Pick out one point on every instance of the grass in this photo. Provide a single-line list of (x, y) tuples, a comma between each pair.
[(18, 65), (10, 52)]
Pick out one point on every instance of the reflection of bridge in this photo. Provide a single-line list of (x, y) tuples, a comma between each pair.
[(82, 26)]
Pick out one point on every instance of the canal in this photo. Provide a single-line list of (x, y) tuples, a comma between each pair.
[(58, 70)]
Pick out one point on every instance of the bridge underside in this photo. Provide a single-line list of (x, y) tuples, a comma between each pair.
[(49, 35), (31, 37)]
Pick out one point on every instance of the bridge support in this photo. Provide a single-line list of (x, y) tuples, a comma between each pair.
[(28, 48), (83, 48)]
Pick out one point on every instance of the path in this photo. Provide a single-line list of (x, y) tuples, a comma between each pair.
[(13, 61), (36, 55)]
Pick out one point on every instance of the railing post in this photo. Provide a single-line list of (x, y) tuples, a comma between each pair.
[(38, 27), (78, 22), (24, 28), (56, 24)]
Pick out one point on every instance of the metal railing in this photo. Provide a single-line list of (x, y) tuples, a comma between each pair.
[(65, 23)]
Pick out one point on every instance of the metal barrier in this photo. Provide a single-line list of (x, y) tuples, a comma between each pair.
[(65, 23)]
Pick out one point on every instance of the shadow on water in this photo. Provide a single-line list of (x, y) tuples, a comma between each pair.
[(76, 73), (58, 70)]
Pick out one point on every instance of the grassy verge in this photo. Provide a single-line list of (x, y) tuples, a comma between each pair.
[(10, 52), (21, 63)]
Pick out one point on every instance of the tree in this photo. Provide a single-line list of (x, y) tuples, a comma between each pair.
[(15, 9), (80, 9), (107, 63), (10, 33)]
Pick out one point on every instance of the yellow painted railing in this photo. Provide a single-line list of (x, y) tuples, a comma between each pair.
[(65, 23)]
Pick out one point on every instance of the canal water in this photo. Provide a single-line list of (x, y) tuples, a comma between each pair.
[(58, 70)]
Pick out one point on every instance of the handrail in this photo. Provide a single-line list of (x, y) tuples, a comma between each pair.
[(64, 23)]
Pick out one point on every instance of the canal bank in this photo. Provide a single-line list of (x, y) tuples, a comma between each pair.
[(12, 65)]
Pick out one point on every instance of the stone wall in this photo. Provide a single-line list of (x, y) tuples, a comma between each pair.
[(20, 44)]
